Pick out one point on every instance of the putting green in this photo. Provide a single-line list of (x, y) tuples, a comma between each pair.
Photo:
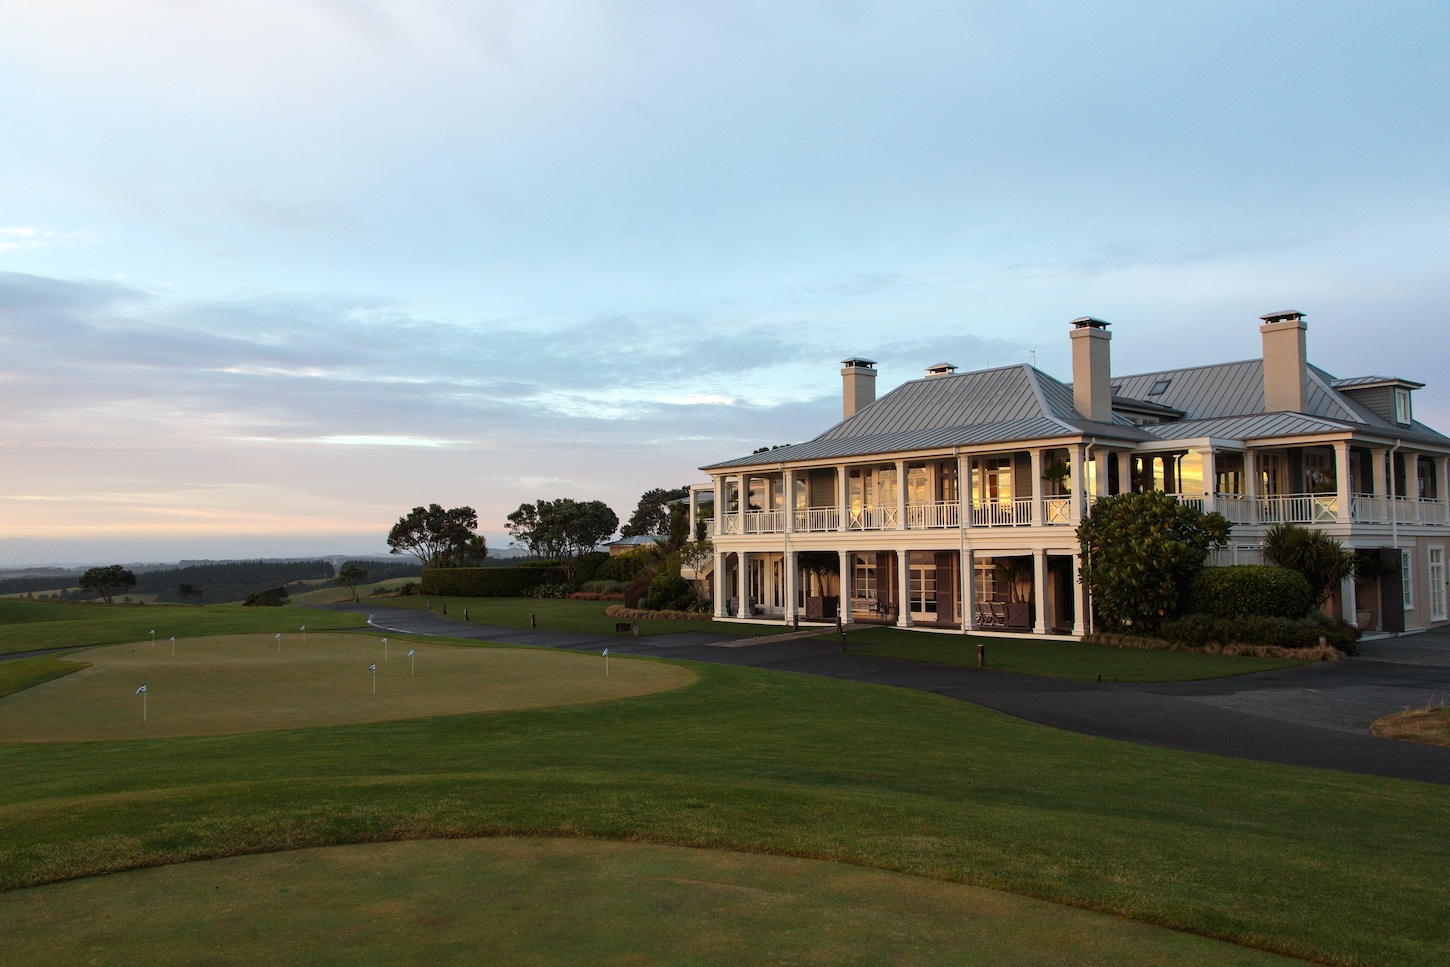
[(244, 683), (532, 901)]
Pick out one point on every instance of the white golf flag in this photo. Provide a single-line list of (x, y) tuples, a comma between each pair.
[(606, 653), (153, 631), (373, 667), (278, 636), (385, 641), (141, 689), (304, 628), (410, 652)]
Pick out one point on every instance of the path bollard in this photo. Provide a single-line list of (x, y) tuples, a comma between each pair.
[(533, 621), (465, 614), (981, 654)]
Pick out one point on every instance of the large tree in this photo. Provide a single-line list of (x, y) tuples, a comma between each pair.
[(350, 576), (107, 581), (432, 534), (562, 528), (1139, 552), (652, 516)]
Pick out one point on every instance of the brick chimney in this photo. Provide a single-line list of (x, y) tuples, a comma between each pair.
[(1286, 366), (1092, 382), (858, 385)]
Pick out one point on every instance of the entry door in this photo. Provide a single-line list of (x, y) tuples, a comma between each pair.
[(923, 591), (1437, 582)]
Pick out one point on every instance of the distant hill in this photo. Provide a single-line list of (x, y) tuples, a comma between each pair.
[(231, 581)]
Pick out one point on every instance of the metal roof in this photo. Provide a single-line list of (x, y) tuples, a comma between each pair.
[(1021, 403), (1360, 382)]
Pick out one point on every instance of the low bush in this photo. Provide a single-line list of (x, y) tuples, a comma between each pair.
[(551, 591), (603, 587), (633, 565), (542, 563), (616, 611), (1250, 589), (669, 592), (1200, 630), (595, 596), (486, 582)]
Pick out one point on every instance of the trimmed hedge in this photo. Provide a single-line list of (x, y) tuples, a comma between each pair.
[(1200, 630), (1250, 589), (487, 582)]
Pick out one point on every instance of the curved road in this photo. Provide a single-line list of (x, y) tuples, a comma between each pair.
[(1312, 715)]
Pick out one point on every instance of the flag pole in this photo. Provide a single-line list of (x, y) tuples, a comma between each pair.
[(153, 637), (304, 634), (385, 649), (374, 669), (173, 646), (412, 662), (606, 663)]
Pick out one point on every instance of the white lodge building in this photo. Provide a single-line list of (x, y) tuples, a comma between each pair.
[(952, 501)]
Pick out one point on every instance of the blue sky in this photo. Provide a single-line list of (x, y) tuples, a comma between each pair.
[(273, 273)]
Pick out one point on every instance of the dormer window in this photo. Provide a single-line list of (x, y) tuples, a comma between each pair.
[(1159, 387), (1402, 407)]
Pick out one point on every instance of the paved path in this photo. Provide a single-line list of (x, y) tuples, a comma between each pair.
[(1312, 715)]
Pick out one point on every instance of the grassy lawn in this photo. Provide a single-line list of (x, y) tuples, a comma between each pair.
[(34, 625), (1051, 658), (247, 683), (18, 675), (1343, 868), (420, 902), (568, 615)]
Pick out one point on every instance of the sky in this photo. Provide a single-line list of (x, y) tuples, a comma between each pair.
[(273, 273)]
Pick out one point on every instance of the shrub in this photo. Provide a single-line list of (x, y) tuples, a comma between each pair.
[(1200, 630), (1322, 560), (1250, 589), (1140, 552), (669, 592), (409, 588), (542, 563), (270, 598), (486, 582), (636, 590), (592, 565), (604, 587), (633, 565), (615, 611), (595, 596), (551, 591)]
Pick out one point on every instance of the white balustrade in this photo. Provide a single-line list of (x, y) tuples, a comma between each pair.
[(1298, 509), (1002, 513), (732, 524), (874, 519), (764, 522), (941, 513), (1366, 508), (1431, 511), (817, 519), (1057, 510)]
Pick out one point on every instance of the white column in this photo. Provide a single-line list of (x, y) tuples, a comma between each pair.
[(1412, 481), (1100, 474), (718, 526), (1347, 603), (1341, 479), (844, 609), (1039, 588), (1442, 467), (743, 481), (1079, 598), (1251, 486), (903, 589), (1378, 457), (1075, 480), (1125, 472), (1036, 454), (788, 562), (787, 499), (722, 593), (1205, 460), (964, 492), (743, 585), (843, 489), (969, 590), (901, 494)]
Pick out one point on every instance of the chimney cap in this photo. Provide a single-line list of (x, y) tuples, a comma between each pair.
[(1285, 315), (858, 363), (941, 369), (1088, 322)]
